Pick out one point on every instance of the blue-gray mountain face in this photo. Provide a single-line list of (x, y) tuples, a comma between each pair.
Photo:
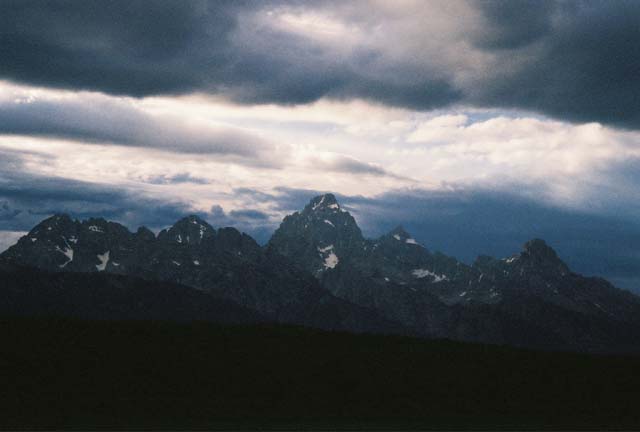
[(318, 270)]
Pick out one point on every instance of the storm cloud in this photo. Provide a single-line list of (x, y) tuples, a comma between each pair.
[(575, 60)]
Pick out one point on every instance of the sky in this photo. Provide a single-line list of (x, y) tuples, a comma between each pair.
[(475, 125)]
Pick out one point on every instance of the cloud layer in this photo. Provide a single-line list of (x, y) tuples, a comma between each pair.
[(575, 60)]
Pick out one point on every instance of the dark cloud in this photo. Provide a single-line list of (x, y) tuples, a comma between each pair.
[(27, 198), (583, 68), (120, 46), (256, 223), (514, 23), (576, 60), (248, 214), (349, 165)]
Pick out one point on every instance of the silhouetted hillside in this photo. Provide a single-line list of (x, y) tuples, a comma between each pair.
[(60, 374)]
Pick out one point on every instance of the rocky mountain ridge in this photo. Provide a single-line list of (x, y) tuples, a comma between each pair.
[(223, 263), (319, 270), (444, 297)]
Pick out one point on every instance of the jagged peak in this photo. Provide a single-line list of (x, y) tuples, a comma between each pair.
[(401, 235), (189, 229), (539, 248), (61, 216), (327, 201), (399, 231), (538, 252), (97, 224), (54, 223), (56, 218), (146, 233), (192, 220)]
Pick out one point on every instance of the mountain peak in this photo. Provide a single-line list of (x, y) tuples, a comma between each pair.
[(323, 202), (399, 231), (55, 224), (401, 235), (61, 216), (539, 253), (192, 219), (540, 249), (189, 229), (56, 219)]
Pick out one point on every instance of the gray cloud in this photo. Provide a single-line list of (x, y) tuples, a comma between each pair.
[(26, 198), (249, 214), (349, 165), (97, 119), (576, 60), (177, 179)]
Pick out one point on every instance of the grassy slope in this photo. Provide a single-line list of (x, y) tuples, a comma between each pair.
[(78, 374)]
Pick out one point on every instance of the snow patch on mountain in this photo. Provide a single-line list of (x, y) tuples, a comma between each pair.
[(331, 261), (68, 252), (318, 204), (104, 260), (325, 249), (422, 273)]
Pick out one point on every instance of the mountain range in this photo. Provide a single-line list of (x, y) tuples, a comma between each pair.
[(317, 270)]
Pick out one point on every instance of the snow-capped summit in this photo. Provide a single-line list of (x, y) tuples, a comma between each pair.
[(536, 257), (307, 235), (401, 235), (326, 203), (188, 230)]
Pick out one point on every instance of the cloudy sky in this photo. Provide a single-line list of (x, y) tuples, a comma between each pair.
[(476, 125)]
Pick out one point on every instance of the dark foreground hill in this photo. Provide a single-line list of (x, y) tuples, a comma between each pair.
[(67, 374), (29, 292)]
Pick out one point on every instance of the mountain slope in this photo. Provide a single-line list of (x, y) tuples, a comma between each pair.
[(29, 292)]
